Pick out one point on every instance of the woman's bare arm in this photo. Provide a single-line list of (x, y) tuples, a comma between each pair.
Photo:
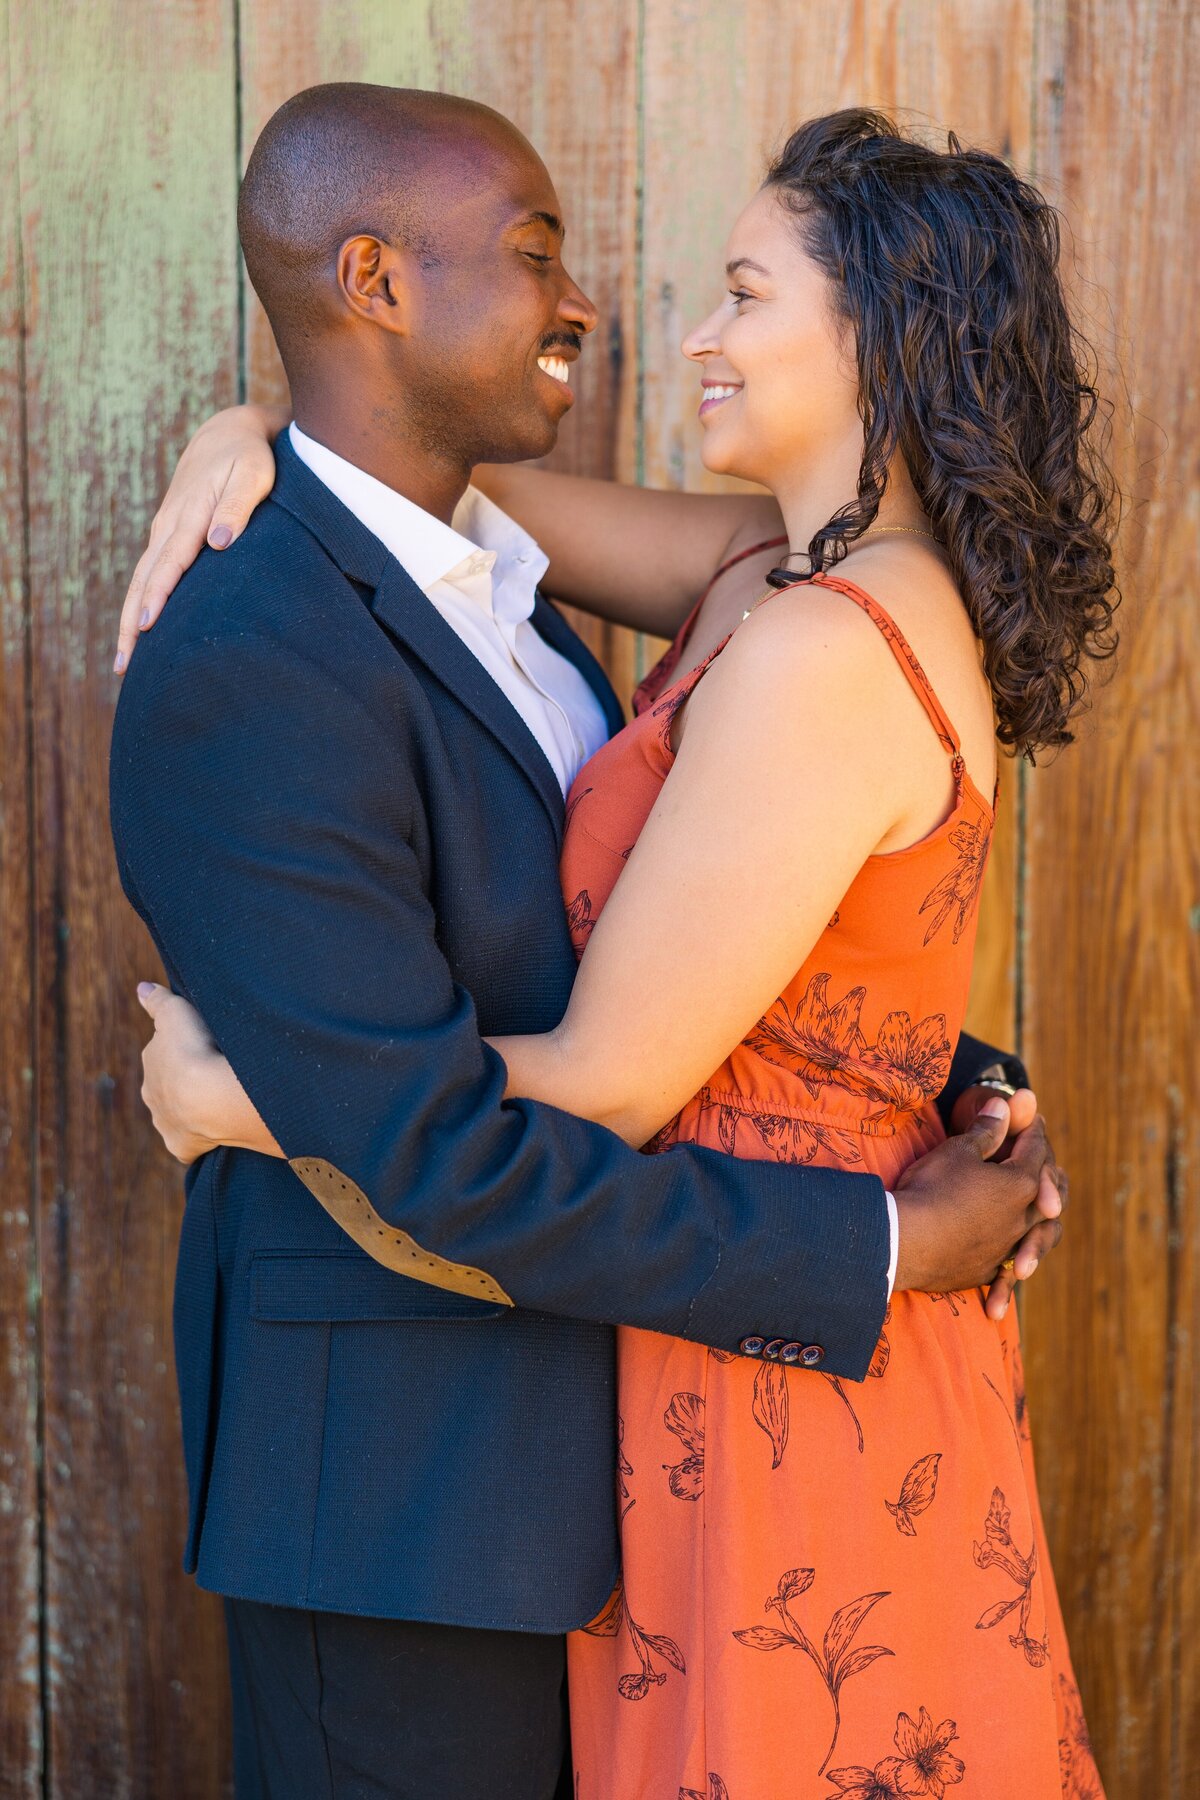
[(227, 468), (194, 1098), (632, 555), (723, 896), (636, 556)]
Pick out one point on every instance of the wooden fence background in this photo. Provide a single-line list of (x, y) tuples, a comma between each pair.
[(124, 319)]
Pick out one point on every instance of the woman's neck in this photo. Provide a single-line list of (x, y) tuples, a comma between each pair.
[(809, 504)]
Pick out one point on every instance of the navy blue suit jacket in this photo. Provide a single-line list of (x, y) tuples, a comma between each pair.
[(345, 843)]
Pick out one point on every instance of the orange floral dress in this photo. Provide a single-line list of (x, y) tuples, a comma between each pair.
[(831, 1590)]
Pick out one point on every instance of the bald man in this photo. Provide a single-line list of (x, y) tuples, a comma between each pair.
[(338, 774)]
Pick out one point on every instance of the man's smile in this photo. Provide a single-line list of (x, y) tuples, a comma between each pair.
[(556, 367)]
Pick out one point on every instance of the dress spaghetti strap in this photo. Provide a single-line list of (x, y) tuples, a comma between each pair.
[(905, 656)]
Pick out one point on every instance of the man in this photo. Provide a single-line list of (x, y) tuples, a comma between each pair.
[(337, 797)]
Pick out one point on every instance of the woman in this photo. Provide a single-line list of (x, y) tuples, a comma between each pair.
[(896, 364)]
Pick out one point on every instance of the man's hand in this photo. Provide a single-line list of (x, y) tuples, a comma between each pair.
[(985, 1194), (1046, 1233)]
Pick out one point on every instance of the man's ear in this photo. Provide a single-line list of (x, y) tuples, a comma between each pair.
[(373, 282)]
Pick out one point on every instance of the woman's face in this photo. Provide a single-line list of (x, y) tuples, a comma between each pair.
[(780, 386)]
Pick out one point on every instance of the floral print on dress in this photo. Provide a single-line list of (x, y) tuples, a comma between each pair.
[(1015, 1407), (789, 1138), (580, 918), (819, 1043), (836, 1661), (917, 1492), (998, 1551), (646, 1646), (624, 1471), (666, 710), (956, 895), (822, 1043), (685, 1417), (909, 1062), (1077, 1767), (925, 1765), (716, 1790), (771, 1408)]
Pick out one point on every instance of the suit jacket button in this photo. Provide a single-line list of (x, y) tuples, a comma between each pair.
[(772, 1348), (791, 1353), (811, 1355), (752, 1346)]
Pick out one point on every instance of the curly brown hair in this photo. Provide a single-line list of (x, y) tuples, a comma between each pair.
[(946, 265)]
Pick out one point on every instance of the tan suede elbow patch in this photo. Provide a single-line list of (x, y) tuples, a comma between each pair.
[(349, 1207)]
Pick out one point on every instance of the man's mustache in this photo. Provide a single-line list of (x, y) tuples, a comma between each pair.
[(561, 340)]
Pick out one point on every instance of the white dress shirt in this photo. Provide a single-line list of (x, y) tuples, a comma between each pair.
[(481, 573)]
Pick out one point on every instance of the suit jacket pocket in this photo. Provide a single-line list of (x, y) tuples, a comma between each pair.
[(338, 1286)]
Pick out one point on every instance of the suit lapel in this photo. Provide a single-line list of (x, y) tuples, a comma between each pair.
[(412, 618)]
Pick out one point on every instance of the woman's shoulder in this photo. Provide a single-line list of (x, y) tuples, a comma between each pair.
[(920, 614), (810, 635), (803, 661), (833, 645)]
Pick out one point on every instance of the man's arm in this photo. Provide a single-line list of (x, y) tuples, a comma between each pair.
[(262, 821)]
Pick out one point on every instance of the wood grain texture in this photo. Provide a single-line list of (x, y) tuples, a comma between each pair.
[(1112, 945), (130, 281), (20, 1553), (565, 76)]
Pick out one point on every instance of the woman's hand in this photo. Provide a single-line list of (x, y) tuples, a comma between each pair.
[(195, 1099), (226, 469)]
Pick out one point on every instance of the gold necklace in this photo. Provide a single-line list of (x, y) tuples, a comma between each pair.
[(886, 530), (878, 531), (782, 578)]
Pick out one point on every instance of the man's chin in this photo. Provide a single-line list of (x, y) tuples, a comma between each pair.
[(535, 439)]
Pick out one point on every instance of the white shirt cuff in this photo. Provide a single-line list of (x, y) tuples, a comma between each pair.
[(894, 1235)]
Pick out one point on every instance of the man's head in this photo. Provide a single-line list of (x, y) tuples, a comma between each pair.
[(406, 247)]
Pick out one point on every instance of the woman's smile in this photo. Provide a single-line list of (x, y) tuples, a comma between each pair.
[(716, 393)]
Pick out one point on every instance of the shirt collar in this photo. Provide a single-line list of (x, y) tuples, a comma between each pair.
[(423, 545)]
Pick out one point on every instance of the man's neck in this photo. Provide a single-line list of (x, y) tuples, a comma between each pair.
[(436, 484)]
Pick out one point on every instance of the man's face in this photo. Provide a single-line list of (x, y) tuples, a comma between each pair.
[(497, 321)]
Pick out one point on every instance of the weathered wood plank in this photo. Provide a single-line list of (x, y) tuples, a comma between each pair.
[(564, 75), (1113, 970), (127, 188), (20, 1555)]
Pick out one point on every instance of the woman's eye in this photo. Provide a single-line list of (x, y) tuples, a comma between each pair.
[(737, 295), (534, 256)]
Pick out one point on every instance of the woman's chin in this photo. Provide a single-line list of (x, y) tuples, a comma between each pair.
[(713, 453), (722, 458)]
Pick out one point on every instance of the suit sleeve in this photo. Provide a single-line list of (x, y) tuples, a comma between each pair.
[(264, 825)]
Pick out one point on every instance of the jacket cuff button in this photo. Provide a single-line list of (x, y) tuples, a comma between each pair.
[(772, 1348), (811, 1355), (791, 1353), (752, 1346)]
